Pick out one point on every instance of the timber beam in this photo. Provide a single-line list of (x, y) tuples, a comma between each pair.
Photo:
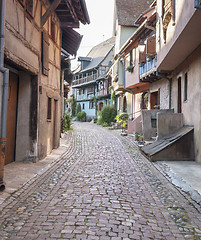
[(70, 25), (72, 10), (49, 11)]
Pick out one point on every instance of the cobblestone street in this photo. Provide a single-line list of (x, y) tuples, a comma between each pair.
[(101, 188)]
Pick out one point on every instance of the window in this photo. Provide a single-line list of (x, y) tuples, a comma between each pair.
[(45, 53), (53, 29), (83, 91), (91, 104), (186, 87), (49, 108), (83, 106), (29, 6)]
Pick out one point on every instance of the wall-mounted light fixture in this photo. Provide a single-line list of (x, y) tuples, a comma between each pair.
[(141, 46)]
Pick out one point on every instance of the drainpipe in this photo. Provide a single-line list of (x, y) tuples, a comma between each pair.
[(5, 72)]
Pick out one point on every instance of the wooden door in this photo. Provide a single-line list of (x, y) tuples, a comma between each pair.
[(179, 96), (11, 118), (54, 124)]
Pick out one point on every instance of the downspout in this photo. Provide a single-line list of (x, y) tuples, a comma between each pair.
[(5, 72)]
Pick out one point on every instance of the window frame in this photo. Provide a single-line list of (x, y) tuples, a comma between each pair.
[(49, 109), (53, 29), (186, 87)]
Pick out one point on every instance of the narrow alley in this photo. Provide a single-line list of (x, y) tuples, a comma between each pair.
[(101, 188)]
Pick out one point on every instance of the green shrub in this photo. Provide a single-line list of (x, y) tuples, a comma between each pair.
[(122, 118), (108, 114), (78, 108), (66, 122), (81, 116), (100, 120), (105, 124), (95, 120)]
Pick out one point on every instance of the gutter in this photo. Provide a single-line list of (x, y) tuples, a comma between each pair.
[(5, 72)]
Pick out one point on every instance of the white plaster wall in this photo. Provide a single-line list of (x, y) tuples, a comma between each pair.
[(23, 119), (191, 108), (137, 104)]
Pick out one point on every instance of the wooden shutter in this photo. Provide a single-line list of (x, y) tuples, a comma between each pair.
[(45, 53), (142, 57), (151, 46)]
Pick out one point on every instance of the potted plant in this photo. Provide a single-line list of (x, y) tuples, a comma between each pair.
[(141, 64), (122, 118), (130, 68), (149, 58)]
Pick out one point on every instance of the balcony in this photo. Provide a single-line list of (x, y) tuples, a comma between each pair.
[(103, 93), (84, 80), (83, 97), (148, 69)]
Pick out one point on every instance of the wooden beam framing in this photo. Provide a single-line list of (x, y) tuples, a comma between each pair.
[(49, 11), (72, 10), (70, 25)]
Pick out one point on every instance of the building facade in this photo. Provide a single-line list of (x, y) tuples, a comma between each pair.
[(34, 33)]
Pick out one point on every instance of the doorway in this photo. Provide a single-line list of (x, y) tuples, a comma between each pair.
[(125, 105), (179, 109), (11, 118), (155, 100), (100, 106)]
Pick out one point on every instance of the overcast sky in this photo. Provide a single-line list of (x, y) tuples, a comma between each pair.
[(101, 27)]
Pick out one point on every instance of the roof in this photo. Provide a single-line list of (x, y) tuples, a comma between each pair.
[(99, 53), (72, 11), (128, 11), (70, 14), (71, 41)]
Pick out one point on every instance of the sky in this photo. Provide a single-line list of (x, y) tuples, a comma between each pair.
[(100, 28)]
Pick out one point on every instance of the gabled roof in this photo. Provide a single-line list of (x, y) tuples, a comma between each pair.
[(99, 53), (128, 11)]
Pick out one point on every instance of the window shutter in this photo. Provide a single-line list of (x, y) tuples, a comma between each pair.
[(151, 46), (45, 53), (142, 57)]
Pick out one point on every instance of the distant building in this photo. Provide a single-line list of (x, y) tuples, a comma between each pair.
[(90, 82)]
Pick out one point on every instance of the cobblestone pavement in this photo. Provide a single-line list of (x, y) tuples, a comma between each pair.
[(101, 188)]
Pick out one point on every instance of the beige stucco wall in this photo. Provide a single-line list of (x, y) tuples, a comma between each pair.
[(191, 108)]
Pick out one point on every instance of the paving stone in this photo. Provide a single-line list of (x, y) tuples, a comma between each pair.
[(101, 188)]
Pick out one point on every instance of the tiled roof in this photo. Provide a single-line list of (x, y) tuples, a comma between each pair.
[(99, 52), (129, 10)]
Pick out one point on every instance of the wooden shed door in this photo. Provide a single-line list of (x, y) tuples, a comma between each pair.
[(11, 118)]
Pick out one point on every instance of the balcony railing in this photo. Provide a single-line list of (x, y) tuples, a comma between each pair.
[(148, 67), (84, 97), (85, 80)]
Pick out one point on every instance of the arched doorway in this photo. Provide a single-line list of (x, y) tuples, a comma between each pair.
[(125, 104), (100, 106)]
